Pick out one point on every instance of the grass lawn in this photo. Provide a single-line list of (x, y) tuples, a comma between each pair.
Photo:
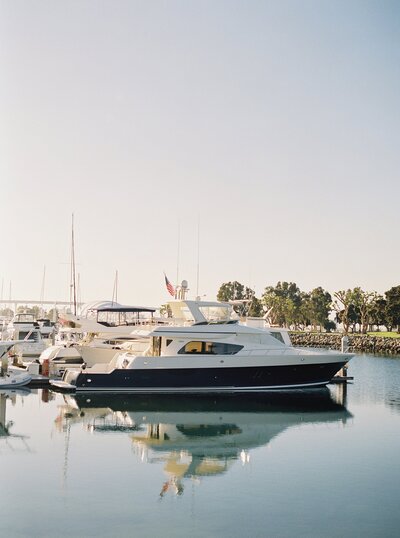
[(385, 334)]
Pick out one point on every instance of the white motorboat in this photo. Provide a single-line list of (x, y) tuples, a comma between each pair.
[(215, 354), (46, 327), (59, 358), (12, 379), (103, 327), (23, 327)]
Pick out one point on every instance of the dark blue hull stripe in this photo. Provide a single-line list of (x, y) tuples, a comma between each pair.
[(244, 379)]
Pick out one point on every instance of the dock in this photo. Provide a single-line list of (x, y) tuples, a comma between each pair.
[(341, 379)]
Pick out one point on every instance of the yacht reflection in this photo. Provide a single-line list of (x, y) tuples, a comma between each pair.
[(196, 437)]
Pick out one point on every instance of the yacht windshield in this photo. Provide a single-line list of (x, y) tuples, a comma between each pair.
[(216, 314), (24, 318), (186, 313)]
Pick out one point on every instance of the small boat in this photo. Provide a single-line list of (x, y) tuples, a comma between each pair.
[(12, 379)]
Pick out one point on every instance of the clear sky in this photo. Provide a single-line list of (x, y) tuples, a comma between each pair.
[(274, 123)]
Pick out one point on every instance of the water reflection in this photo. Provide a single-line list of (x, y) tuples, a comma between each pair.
[(197, 437), (377, 380), (9, 440)]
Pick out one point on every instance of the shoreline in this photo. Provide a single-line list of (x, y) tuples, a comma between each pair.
[(357, 342)]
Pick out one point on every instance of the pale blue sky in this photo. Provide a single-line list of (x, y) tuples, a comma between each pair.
[(276, 122)]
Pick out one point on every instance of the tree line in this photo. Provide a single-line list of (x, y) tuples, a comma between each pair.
[(36, 311), (287, 306)]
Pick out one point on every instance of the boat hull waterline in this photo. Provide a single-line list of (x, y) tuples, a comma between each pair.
[(201, 380)]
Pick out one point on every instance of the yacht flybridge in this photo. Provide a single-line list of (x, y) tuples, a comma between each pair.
[(215, 354)]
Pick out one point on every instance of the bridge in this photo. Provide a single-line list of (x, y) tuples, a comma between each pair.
[(31, 302)]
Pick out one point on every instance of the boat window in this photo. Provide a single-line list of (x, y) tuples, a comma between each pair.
[(210, 348), (24, 318), (23, 334), (216, 313), (186, 314), (278, 336), (191, 347)]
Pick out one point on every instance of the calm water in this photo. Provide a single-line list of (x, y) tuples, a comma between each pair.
[(324, 463)]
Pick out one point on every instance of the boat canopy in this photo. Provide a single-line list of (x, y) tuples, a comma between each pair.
[(121, 308), (117, 315), (89, 309)]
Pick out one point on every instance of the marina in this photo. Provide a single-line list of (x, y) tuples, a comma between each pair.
[(321, 462), (199, 273)]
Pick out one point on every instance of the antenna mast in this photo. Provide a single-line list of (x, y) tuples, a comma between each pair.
[(42, 291), (115, 289), (178, 253)]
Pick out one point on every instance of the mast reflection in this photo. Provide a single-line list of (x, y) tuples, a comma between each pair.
[(8, 439)]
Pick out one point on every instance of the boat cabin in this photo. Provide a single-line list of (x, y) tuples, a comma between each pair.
[(214, 339)]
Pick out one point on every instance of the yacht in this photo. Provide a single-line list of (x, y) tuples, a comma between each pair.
[(25, 328), (95, 336), (118, 327), (215, 354), (46, 327), (59, 358)]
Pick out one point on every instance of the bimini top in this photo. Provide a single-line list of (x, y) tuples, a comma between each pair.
[(90, 308), (122, 308)]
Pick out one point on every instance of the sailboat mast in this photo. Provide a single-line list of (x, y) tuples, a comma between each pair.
[(42, 291), (198, 256), (73, 269), (178, 253)]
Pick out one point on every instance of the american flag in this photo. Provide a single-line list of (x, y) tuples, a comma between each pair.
[(170, 287)]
